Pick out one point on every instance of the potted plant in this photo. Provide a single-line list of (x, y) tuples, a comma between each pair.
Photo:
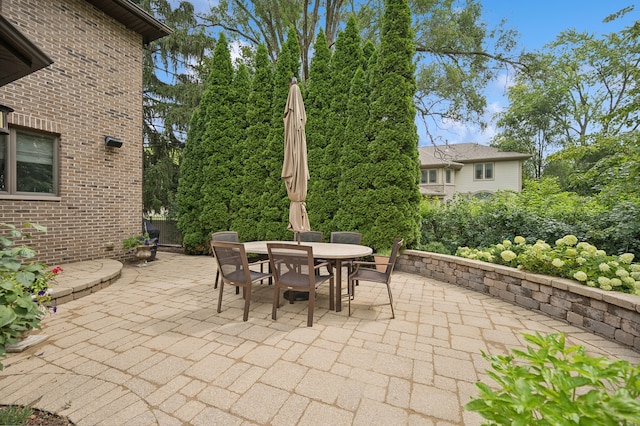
[(140, 244), (381, 258), (24, 287)]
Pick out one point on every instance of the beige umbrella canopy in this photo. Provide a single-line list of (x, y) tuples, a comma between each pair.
[(295, 171)]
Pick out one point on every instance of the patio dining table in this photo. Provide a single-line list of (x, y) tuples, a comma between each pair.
[(330, 251)]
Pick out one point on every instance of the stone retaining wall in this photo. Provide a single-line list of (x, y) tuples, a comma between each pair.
[(610, 314)]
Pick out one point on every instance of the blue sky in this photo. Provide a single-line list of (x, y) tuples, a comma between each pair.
[(539, 22)]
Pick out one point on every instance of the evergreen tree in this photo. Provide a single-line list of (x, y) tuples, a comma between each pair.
[(393, 198), (240, 92), (220, 136), (274, 204), (172, 69), (255, 173), (323, 195), (189, 188), (354, 165), (319, 121)]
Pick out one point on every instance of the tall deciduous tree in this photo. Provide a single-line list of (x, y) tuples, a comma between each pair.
[(266, 22), (393, 198), (579, 98), (458, 55)]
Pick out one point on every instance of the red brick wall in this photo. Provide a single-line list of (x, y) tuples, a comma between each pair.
[(93, 89)]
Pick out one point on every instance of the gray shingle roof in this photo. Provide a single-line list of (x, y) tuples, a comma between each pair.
[(456, 155)]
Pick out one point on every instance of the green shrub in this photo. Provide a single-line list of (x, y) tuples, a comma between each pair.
[(552, 384), (541, 209), (569, 258), (435, 247), (24, 285)]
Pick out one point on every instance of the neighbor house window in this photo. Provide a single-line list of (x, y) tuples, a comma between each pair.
[(28, 163), (483, 171), (447, 175), (429, 176)]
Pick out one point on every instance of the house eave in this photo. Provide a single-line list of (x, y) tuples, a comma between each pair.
[(134, 18), (18, 55)]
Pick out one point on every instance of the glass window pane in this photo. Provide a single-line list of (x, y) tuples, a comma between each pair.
[(488, 171), (433, 176), (448, 176), (34, 163), (478, 171), (423, 176)]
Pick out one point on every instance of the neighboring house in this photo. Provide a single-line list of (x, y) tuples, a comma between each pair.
[(71, 71), (468, 168)]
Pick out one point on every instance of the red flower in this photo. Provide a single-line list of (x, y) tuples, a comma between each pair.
[(56, 270)]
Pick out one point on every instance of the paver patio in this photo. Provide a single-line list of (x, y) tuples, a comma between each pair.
[(150, 349)]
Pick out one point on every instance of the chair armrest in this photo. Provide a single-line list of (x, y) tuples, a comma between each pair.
[(362, 262), (321, 264)]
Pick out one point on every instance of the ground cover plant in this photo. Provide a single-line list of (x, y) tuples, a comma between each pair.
[(568, 258), (551, 383)]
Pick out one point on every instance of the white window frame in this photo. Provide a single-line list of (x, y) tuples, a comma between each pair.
[(10, 165)]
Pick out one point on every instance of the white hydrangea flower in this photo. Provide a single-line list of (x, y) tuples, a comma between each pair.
[(604, 281), (580, 276), (581, 260), (508, 255), (557, 263), (616, 282), (519, 240), (621, 272), (604, 267), (626, 258), (570, 240)]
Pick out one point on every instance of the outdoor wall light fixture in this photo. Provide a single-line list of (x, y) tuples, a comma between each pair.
[(111, 141), (4, 119)]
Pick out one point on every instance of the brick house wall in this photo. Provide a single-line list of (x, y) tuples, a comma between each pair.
[(92, 89)]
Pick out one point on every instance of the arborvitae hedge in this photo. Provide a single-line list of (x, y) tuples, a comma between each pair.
[(254, 172), (361, 141), (393, 198)]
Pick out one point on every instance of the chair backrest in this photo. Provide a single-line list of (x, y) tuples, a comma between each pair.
[(292, 264), (310, 236), (346, 237), (232, 261), (397, 243), (225, 236)]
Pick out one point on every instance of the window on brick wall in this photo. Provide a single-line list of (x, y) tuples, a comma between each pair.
[(28, 163)]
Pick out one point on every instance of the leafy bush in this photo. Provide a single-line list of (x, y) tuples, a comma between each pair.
[(435, 247), (541, 209), (552, 384), (24, 285), (569, 258)]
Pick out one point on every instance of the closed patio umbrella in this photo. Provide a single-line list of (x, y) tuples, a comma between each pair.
[(295, 171)]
